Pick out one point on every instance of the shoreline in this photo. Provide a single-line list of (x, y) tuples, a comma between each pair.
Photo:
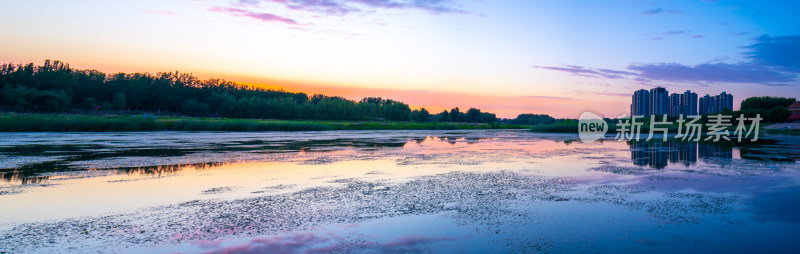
[(13, 122)]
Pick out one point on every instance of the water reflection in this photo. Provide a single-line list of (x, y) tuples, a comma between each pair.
[(659, 154), (73, 157), (779, 204), (407, 192)]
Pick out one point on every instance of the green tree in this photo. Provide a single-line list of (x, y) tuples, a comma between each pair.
[(420, 115), (766, 102), (118, 101)]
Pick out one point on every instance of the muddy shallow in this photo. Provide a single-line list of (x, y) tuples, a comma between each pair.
[(393, 191)]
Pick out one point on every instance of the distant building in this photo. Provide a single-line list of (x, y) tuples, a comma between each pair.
[(675, 108), (659, 101), (683, 104), (794, 110), (689, 103), (640, 105), (706, 105), (723, 101), (715, 104)]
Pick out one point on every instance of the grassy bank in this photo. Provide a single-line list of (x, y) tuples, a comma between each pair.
[(89, 123)]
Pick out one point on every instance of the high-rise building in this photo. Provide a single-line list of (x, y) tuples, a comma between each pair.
[(688, 103), (723, 101), (683, 104), (706, 105), (715, 104), (640, 105), (659, 101), (675, 106)]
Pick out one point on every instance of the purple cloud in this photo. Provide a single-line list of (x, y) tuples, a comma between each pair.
[(772, 61), (782, 52), (607, 93), (242, 8), (344, 7), (653, 11), (675, 32), (717, 72), (437, 6), (262, 16), (617, 72), (656, 11), (330, 7), (581, 71)]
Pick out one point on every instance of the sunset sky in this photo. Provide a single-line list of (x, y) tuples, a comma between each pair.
[(503, 56)]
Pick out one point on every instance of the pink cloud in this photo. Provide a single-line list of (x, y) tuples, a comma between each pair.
[(262, 16)]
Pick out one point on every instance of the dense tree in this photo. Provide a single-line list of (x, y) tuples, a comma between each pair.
[(771, 109), (420, 115), (55, 87), (532, 119), (766, 102), (472, 115)]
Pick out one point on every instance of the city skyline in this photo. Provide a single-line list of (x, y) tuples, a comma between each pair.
[(658, 101)]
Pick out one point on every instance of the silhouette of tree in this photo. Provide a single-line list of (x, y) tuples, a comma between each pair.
[(55, 87)]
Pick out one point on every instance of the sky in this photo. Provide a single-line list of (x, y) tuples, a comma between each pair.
[(503, 56)]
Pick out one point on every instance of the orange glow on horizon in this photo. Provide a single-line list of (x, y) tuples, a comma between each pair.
[(435, 101)]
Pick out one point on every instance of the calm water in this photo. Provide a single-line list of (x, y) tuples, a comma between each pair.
[(394, 191)]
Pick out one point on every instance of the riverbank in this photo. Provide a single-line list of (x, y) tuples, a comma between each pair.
[(93, 123)]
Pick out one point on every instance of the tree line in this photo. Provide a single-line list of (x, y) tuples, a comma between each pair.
[(771, 109), (55, 87)]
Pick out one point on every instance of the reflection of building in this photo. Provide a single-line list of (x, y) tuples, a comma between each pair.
[(794, 110), (655, 154), (711, 150), (658, 154), (683, 152)]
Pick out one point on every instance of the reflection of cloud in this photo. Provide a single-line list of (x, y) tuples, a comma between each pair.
[(778, 205), (312, 243), (289, 244)]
